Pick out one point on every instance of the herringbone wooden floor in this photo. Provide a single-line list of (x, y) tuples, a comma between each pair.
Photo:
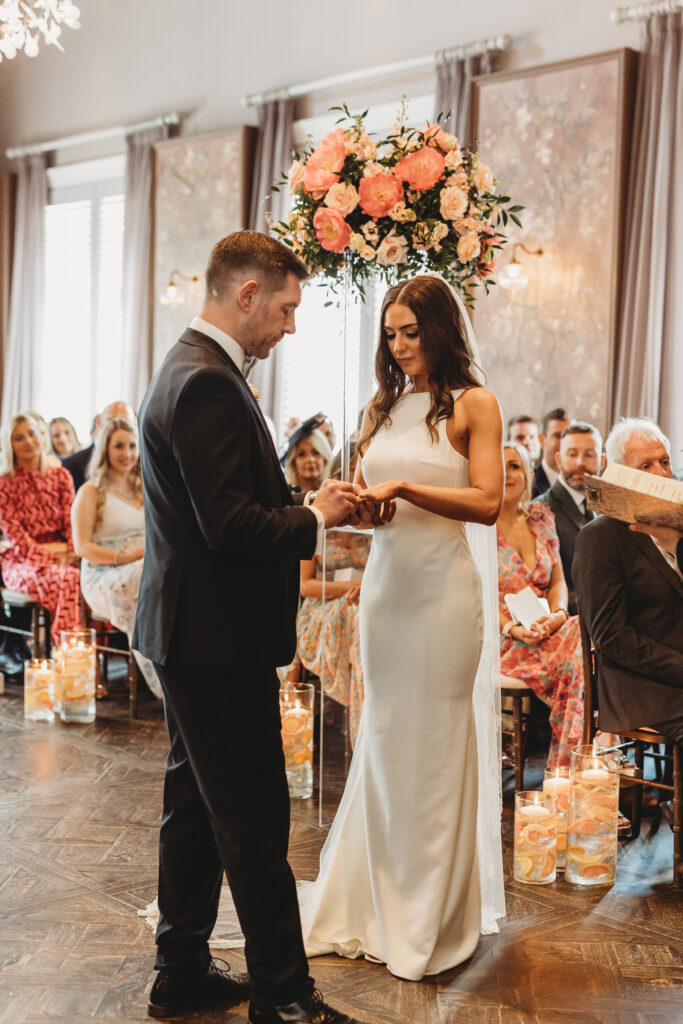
[(79, 811)]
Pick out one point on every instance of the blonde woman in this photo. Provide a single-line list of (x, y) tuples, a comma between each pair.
[(63, 437), (307, 457), (109, 532), (546, 656), (35, 517), (51, 459)]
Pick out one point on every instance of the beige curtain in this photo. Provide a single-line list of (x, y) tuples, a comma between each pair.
[(25, 327), (649, 358), (453, 90), (137, 262), (7, 184), (273, 155)]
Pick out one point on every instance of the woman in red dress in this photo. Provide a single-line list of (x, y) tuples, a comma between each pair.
[(547, 656), (35, 517)]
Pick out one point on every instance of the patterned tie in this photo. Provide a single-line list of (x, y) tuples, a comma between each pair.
[(587, 514), (247, 365)]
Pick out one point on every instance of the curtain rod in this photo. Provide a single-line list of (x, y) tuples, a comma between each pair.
[(94, 136), (381, 71), (649, 10)]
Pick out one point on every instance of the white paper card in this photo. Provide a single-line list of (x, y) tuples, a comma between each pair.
[(644, 483), (347, 575), (526, 607)]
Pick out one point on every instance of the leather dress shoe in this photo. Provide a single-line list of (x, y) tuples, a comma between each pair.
[(218, 989), (308, 1009)]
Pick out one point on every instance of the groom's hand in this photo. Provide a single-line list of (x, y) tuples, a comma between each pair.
[(337, 500)]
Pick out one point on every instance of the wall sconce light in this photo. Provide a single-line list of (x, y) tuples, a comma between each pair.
[(514, 277), (172, 295)]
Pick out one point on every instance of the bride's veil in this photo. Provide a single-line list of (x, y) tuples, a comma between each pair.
[(486, 699)]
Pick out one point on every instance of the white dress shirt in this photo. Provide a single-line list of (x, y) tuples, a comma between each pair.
[(578, 496), (243, 362)]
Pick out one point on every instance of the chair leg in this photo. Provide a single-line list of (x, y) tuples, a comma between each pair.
[(638, 757), (678, 817), (517, 741), (35, 630), (133, 685)]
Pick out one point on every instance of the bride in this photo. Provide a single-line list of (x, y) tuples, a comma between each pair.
[(400, 878)]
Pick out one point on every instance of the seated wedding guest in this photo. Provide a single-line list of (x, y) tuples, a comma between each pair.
[(51, 460), (547, 656), (524, 430), (342, 672), (630, 593), (545, 474), (78, 463), (109, 533), (580, 455), (307, 457), (63, 437), (35, 517), (327, 428)]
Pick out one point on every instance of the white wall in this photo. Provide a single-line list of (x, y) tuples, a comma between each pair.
[(135, 59)]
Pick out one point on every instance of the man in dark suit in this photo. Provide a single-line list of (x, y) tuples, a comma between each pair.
[(217, 614), (630, 593), (545, 473), (580, 454), (77, 464)]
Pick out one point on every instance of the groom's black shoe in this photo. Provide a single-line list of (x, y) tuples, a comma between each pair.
[(218, 989), (309, 1009)]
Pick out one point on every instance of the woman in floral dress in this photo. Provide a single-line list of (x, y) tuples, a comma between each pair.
[(548, 655), (343, 674), (35, 511)]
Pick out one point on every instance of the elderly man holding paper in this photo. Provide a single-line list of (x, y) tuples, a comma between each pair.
[(630, 592)]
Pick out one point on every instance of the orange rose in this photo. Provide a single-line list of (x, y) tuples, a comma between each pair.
[(323, 165), (444, 140), (421, 169), (469, 247), (331, 230), (379, 193)]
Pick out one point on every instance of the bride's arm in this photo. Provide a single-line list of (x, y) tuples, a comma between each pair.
[(481, 501)]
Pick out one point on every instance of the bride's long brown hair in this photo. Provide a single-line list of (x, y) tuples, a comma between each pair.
[(443, 340)]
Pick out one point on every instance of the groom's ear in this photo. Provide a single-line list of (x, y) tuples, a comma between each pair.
[(246, 295)]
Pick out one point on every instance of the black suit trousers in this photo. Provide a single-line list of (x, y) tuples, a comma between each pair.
[(226, 807)]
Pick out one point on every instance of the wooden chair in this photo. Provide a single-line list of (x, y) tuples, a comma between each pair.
[(640, 739), (39, 631), (91, 621), (517, 691)]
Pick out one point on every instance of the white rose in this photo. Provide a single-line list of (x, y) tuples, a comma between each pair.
[(453, 203), (392, 250), (483, 179), (453, 159), (342, 198), (295, 176), (371, 232), (374, 168)]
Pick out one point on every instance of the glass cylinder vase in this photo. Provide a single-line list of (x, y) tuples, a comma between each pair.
[(39, 690), (593, 817), (535, 838), (296, 715), (77, 670), (556, 783)]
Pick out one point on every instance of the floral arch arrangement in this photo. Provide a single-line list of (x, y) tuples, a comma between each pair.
[(411, 202)]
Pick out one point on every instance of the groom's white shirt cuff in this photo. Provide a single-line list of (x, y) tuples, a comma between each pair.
[(236, 353)]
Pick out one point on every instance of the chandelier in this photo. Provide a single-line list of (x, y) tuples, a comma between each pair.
[(22, 24)]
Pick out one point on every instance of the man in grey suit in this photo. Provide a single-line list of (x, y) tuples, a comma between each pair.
[(580, 455), (630, 591)]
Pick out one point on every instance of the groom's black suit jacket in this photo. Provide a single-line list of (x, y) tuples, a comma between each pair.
[(632, 603), (220, 581)]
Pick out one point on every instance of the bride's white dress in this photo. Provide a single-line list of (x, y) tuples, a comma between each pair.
[(399, 878)]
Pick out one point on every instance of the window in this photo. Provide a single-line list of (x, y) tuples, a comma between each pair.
[(81, 364)]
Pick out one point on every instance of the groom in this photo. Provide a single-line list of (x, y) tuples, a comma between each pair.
[(216, 614)]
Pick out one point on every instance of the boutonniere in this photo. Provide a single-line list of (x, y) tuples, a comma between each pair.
[(255, 392)]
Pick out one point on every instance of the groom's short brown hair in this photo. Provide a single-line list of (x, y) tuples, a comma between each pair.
[(250, 254)]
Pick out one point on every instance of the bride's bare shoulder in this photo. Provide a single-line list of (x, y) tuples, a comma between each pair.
[(480, 401)]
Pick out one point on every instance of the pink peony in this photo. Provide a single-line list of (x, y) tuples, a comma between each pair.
[(379, 193), (342, 198), (392, 249), (421, 169), (469, 247), (324, 163), (331, 230), (444, 140)]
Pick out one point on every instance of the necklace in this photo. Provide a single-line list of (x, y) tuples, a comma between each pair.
[(121, 494)]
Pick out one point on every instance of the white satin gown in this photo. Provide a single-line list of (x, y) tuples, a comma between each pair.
[(399, 878)]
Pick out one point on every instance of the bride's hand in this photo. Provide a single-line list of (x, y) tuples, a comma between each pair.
[(388, 491)]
